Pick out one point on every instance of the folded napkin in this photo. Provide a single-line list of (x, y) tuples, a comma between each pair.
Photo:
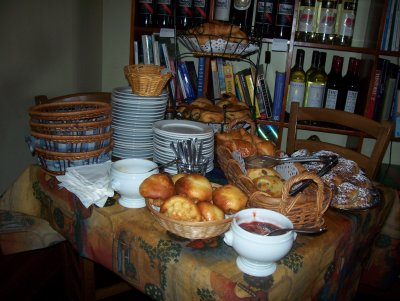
[(90, 183)]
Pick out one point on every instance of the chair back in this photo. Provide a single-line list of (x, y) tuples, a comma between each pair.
[(347, 124), (85, 96)]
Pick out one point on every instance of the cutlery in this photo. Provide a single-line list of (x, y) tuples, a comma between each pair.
[(312, 230)]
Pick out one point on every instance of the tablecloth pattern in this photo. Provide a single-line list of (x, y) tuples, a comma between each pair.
[(132, 244)]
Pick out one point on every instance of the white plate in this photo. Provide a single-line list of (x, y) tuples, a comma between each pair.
[(182, 128)]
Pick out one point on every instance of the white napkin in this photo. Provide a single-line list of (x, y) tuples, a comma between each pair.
[(90, 183)]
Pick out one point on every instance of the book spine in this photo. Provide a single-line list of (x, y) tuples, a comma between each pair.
[(187, 85), (381, 89), (221, 77), (371, 110), (250, 88), (146, 52), (386, 26), (238, 86), (229, 80), (389, 92), (215, 80), (264, 97), (136, 52), (206, 82), (201, 76), (192, 75), (245, 91), (395, 109), (278, 95)]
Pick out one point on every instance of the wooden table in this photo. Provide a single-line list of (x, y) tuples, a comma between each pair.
[(131, 243)]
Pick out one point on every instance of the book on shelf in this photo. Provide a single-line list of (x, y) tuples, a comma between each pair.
[(229, 78), (395, 109), (221, 76), (388, 94), (384, 66), (238, 87), (215, 80), (156, 50), (250, 87), (243, 87), (192, 75), (377, 78), (185, 82), (136, 52), (170, 65), (201, 76), (386, 28), (278, 95), (263, 95), (147, 46), (392, 32)]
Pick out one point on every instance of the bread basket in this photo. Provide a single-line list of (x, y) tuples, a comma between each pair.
[(304, 209), (187, 229)]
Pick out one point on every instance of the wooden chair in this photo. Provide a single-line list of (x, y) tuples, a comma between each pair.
[(90, 292), (348, 124)]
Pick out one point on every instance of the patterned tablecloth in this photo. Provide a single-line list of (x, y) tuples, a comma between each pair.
[(132, 244)]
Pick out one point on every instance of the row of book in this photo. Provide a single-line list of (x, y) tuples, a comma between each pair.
[(385, 97), (391, 31)]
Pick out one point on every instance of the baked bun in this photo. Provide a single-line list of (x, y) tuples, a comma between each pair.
[(177, 176), (202, 102), (157, 187), (210, 212), (194, 186), (254, 173), (271, 185), (245, 148), (266, 147), (229, 198), (181, 208), (211, 117)]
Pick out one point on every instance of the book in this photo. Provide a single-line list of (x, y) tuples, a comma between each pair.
[(229, 78), (156, 52), (371, 108), (395, 109), (384, 63), (385, 36), (136, 52), (392, 21), (215, 80), (238, 87), (250, 87), (147, 45), (207, 67), (201, 76), (170, 65), (192, 74), (243, 86), (186, 84), (264, 96), (221, 76), (278, 95), (390, 86)]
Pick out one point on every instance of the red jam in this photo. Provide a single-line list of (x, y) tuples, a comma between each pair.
[(260, 228)]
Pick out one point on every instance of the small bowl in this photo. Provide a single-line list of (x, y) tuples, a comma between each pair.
[(126, 177), (258, 254)]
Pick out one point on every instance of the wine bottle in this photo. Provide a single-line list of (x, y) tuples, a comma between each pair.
[(264, 21), (222, 10), (283, 19), (242, 14), (297, 82), (345, 22), (184, 14), (315, 85), (200, 12), (334, 84), (313, 65), (326, 20), (351, 85), (165, 13), (306, 21), (146, 13)]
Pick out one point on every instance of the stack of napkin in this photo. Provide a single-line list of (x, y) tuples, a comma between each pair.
[(90, 183)]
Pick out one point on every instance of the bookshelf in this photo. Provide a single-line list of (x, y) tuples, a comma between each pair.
[(370, 22)]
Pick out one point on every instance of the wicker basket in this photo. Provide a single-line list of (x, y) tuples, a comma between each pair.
[(70, 112), (305, 209), (147, 80), (190, 230)]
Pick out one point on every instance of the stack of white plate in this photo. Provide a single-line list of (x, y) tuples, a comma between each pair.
[(167, 131), (133, 118)]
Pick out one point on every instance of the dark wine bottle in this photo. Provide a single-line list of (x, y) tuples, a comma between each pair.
[(200, 12), (351, 86), (306, 21), (283, 19), (165, 13), (334, 85), (184, 14), (146, 13), (265, 16), (242, 14)]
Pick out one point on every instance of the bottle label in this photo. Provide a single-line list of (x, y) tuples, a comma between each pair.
[(347, 21), (241, 4), (222, 10), (264, 12), (284, 16), (146, 7), (164, 8), (315, 95), (296, 94), (327, 21), (199, 9), (351, 100), (331, 98), (306, 17)]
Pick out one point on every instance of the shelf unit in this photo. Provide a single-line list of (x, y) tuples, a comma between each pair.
[(368, 53)]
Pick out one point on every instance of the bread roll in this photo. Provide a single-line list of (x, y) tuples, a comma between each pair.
[(266, 147), (157, 187), (181, 208), (210, 212), (229, 198), (272, 185), (254, 173), (211, 117), (194, 186)]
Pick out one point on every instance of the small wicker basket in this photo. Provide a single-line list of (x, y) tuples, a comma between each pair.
[(147, 79), (304, 209), (190, 230)]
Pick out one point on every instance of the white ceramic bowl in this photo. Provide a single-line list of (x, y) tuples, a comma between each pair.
[(258, 254), (126, 177)]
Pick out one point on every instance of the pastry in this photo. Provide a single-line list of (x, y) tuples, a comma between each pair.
[(210, 212), (158, 188), (271, 185), (194, 186), (229, 198), (181, 208)]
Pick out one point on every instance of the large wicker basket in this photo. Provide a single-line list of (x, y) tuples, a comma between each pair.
[(147, 80), (304, 209)]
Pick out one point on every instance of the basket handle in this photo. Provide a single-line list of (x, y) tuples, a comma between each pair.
[(289, 201), (234, 122)]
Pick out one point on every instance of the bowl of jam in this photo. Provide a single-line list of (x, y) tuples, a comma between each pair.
[(257, 253)]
